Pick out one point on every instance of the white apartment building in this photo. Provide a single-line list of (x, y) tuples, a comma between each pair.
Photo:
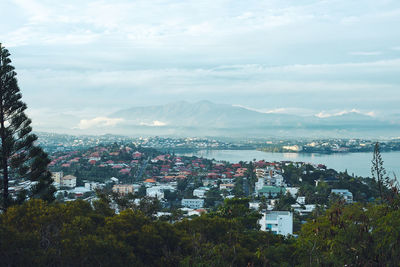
[(193, 203), (278, 222), (68, 181)]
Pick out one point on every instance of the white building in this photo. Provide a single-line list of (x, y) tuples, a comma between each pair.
[(158, 191), (192, 203), (260, 183), (114, 180), (344, 193), (200, 192), (278, 222), (303, 209), (68, 181), (278, 180), (226, 186), (93, 185), (155, 191), (292, 191)]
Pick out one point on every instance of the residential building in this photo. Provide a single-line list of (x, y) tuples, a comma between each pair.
[(292, 191), (226, 186), (344, 193), (93, 185), (68, 181), (303, 209), (260, 183), (261, 173), (155, 191), (278, 222), (200, 192), (123, 189), (56, 176), (270, 191), (193, 203)]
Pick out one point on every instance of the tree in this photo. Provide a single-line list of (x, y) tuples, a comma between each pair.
[(377, 170), (388, 188), (19, 156)]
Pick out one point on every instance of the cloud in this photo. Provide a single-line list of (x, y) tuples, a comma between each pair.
[(99, 122), (324, 114), (154, 123)]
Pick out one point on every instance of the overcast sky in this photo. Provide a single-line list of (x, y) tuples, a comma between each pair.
[(89, 58)]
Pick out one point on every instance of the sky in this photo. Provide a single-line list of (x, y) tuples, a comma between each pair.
[(83, 60)]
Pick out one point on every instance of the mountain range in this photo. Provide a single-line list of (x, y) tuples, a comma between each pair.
[(205, 118)]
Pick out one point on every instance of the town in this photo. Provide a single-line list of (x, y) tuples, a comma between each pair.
[(285, 193), (60, 142)]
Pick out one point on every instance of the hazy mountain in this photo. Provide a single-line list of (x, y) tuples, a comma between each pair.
[(207, 118)]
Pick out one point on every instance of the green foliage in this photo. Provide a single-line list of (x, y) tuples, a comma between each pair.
[(284, 202), (213, 196), (37, 233), (356, 235)]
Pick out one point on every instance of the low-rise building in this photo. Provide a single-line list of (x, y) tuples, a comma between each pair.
[(270, 191), (278, 222), (200, 192), (123, 189), (344, 193), (158, 191), (226, 186), (303, 209), (155, 191), (68, 181)]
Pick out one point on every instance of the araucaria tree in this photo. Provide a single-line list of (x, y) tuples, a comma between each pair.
[(20, 158)]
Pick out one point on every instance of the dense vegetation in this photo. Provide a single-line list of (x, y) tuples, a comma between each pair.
[(80, 234)]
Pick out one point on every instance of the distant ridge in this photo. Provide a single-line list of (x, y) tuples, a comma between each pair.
[(211, 119)]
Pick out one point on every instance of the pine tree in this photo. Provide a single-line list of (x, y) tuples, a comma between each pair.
[(378, 171), (20, 158)]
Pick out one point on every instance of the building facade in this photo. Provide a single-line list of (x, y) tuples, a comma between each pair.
[(278, 222)]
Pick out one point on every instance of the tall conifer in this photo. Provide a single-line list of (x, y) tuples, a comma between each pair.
[(20, 158)]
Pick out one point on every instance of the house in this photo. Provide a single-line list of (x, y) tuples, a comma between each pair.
[(278, 222), (193, 203), (345, 194), (303, 209), (196, 212)]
